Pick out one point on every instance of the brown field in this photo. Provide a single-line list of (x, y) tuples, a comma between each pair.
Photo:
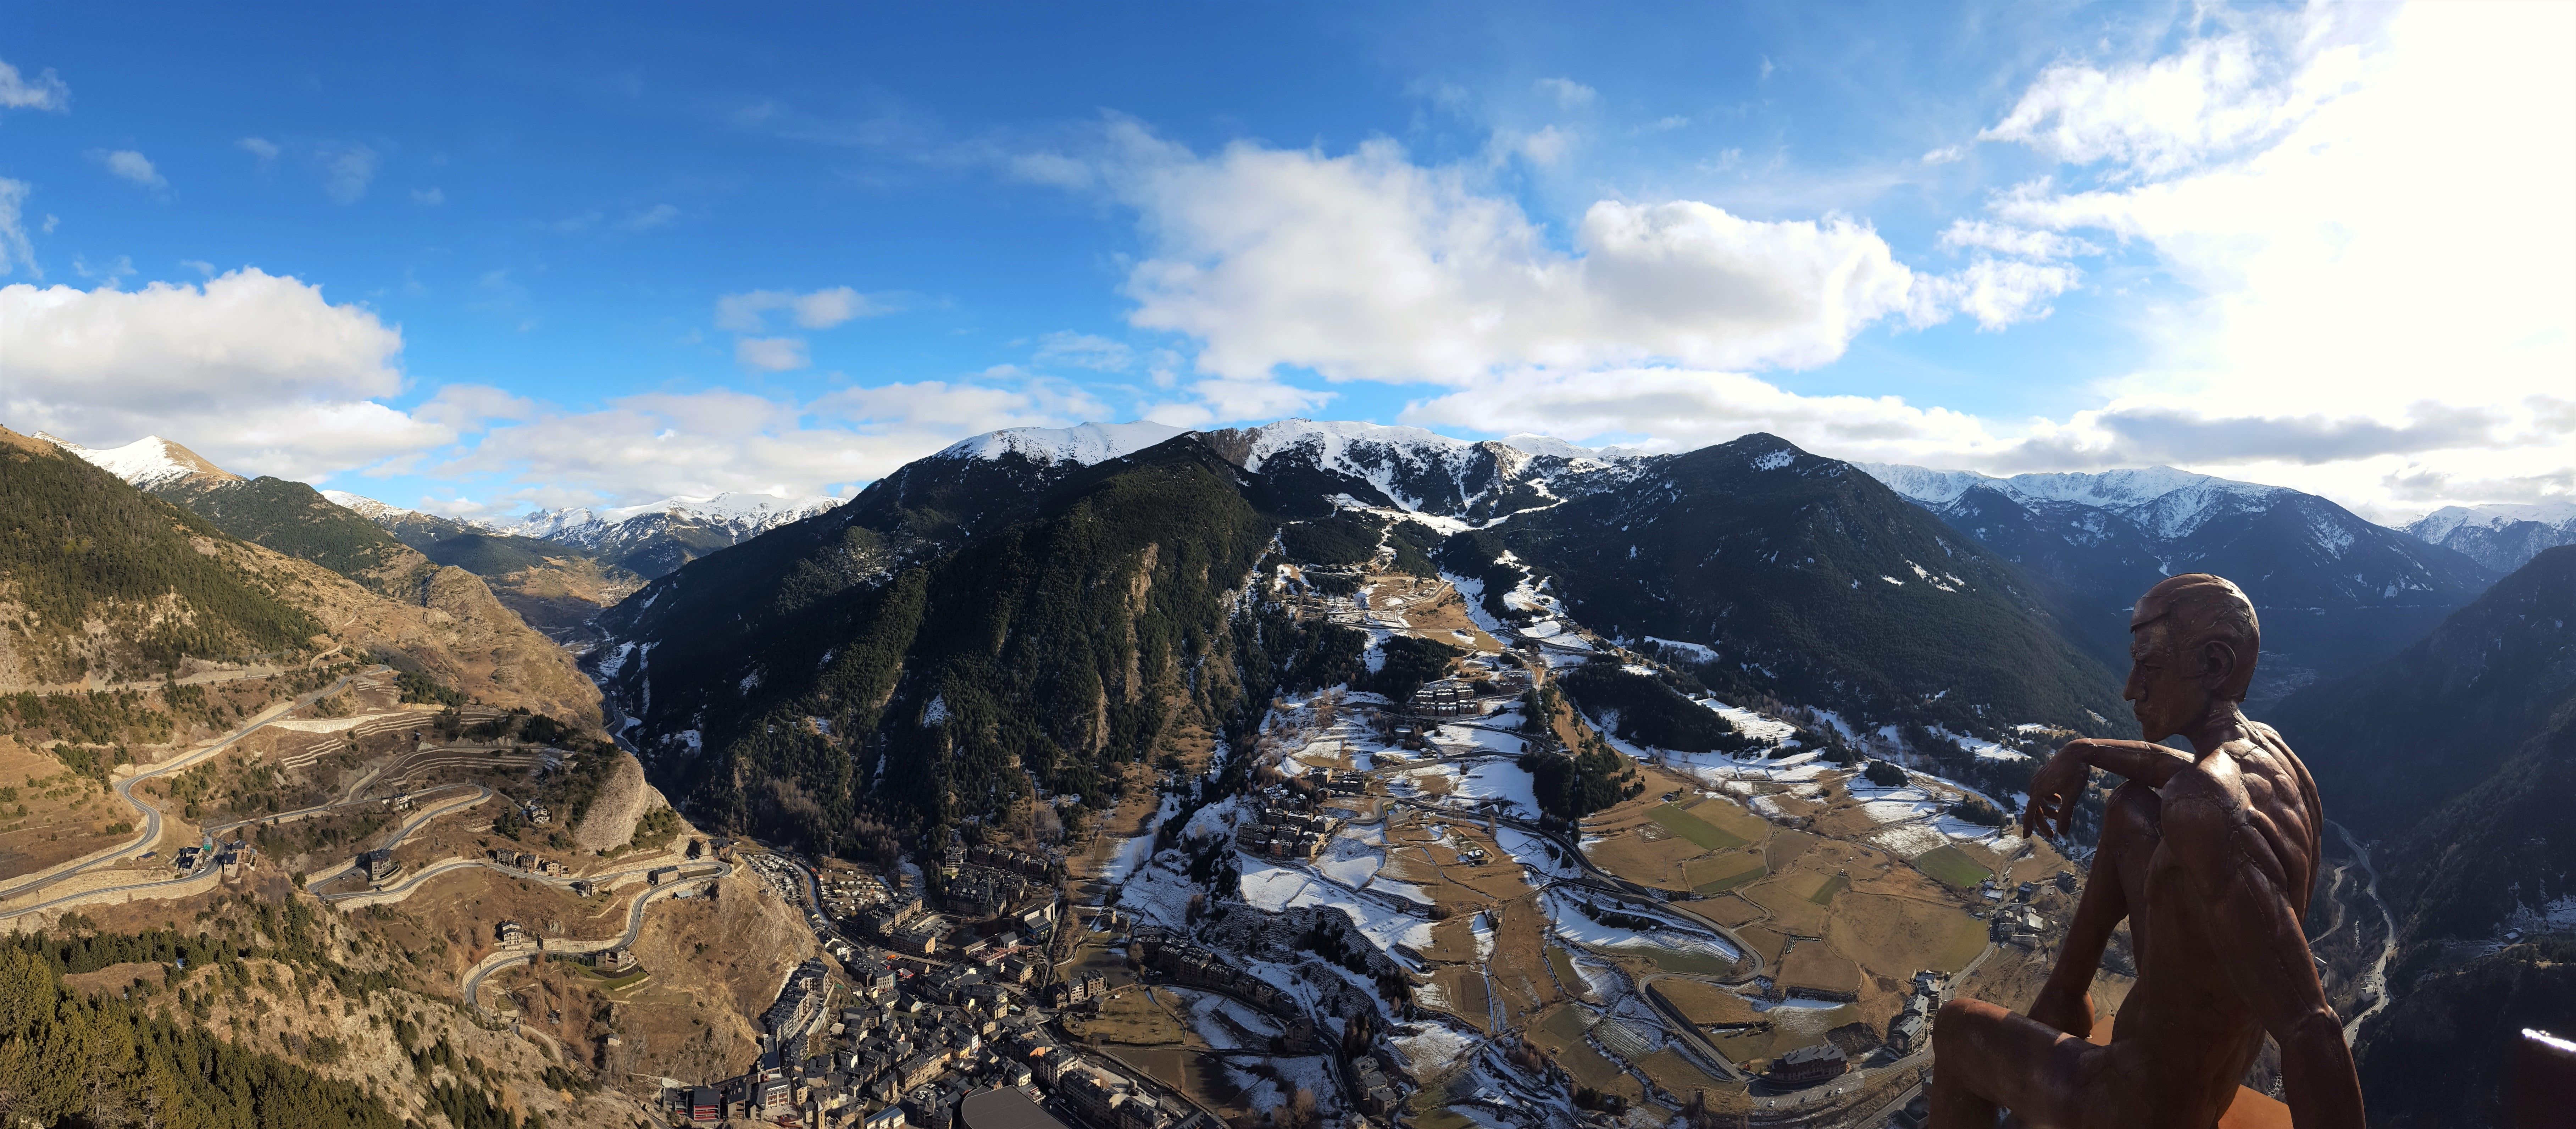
[(116, 977), (1707, 1005), (1452, 941), (1677, 1074), (1727, 815), (1654, 862), (1896, 936), (1788, 898), (1137, 1016), (1730, 911), (1464, 985), (1818, 966)]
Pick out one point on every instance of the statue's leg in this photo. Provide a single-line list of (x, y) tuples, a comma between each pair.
[(1985, 1058), (2131, 828)]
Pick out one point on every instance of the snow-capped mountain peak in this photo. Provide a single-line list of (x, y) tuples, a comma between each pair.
[(366, 507), (1081, 445), (745, 514), (150, 463), (2166, 502)]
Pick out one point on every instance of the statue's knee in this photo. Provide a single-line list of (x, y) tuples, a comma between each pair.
[(1953, 1020)]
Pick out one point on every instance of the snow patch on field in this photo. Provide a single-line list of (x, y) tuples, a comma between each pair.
[(1276, 888), (1691, 652), (1576, 926), (1432, 1049), (1764, 729)]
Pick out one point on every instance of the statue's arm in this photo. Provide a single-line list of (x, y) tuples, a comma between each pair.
[(2147, 763), (2242, 884)]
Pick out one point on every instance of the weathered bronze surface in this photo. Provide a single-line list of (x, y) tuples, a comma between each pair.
[(2210, 857)]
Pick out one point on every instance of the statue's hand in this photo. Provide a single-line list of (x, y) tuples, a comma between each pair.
[(2054, 791)]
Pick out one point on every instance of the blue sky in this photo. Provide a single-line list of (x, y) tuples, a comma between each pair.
[(484, 257)]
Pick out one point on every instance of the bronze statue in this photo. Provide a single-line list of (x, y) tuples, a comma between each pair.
[(2210, 856)]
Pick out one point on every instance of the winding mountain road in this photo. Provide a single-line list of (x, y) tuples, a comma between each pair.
[(471, 986), (151, 832)]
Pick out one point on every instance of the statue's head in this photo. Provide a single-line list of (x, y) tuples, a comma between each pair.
[(2193, 640)]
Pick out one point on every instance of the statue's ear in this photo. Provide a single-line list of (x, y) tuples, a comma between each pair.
[(2217, 661)]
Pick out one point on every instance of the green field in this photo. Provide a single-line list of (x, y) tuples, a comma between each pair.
[(1824, 895), (1693, 828), (1953, 867), (1567, 1023), (1723, 873), (1566, 976)]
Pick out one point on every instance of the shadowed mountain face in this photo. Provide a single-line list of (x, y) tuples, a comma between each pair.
[(2398, 739), (993, 616), (2335, 592), (1814, 582), (2457, 756)]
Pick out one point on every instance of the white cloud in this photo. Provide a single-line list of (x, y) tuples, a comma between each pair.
[(1669, 408), (659, 444), (260, 147), (1545, 147), (770, 354), (47, 92), (821, 309), (126, 164), (428, 197), (258, 372), (1367, 266), (346, 171), (109, 272), (2015, 241), (1568, 93), (2215, 96), (2374, 244), (643, 219), (1086, 351), (15, 250), (1945, 155)]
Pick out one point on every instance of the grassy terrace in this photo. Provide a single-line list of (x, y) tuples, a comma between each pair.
[(1952, 866)]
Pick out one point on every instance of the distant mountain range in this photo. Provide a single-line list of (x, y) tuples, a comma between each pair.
[(119, 584), (2501, 537), (2336, 592), (1060, 600)]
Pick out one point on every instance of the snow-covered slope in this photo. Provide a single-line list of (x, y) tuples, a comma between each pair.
[(2336, 591), (2165, 502), (366, 507), (150, 463), (747, 514), (1081, 445), (2503, 537)]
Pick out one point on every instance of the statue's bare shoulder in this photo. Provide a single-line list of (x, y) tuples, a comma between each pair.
[(2245, 812)]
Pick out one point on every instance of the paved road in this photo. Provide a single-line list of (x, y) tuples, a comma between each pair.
[(152, 815), (472, 986), (418, 821)]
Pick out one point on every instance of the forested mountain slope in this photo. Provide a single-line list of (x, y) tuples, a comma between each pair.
[(1816, 584), (2457, 756), (112, 584), (1001, 614), (2336, 592), (963, 629), (2390, 743)]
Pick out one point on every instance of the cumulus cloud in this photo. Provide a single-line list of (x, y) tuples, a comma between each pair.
[(260, 147), (1368, 266), (45, 92), (126, 164), (258, 372)]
